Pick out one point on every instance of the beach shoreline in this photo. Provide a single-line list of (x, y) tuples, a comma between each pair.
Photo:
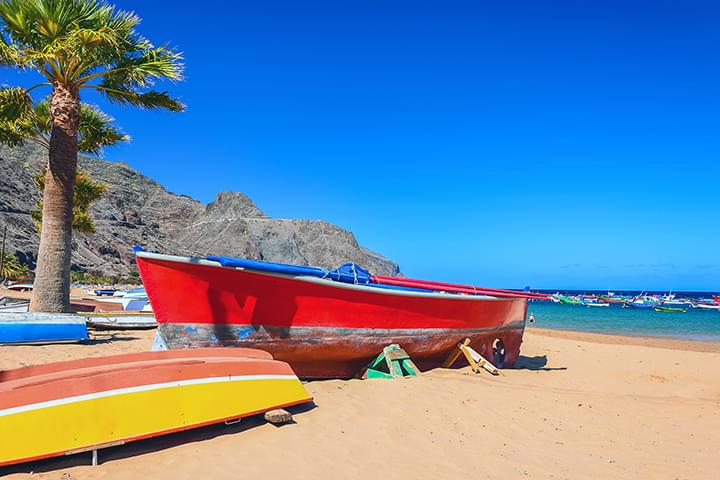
[(577, 405), (623, 339)]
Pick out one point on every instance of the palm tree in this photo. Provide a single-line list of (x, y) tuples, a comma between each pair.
[(75, 45), (87, 191), (95, 131), (95, 128)]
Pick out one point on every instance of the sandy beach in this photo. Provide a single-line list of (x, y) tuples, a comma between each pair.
[(577, 406)]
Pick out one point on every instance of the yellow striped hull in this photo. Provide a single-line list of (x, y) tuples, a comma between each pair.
[(83, 422)]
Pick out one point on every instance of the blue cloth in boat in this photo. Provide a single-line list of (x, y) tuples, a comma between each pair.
[(348, 272)]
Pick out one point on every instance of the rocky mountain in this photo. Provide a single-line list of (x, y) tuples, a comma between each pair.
[(139, 211)]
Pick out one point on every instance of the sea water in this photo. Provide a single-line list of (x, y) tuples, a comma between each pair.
[(695, 324)]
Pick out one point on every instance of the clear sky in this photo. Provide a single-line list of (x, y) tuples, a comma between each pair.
[(553, 144)]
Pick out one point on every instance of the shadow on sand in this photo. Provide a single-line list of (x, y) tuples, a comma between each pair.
[(101, 338), (536, 363), (150, 445)]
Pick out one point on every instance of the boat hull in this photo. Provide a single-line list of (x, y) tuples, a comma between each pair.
[(88, 404), (641, 305), (41, 328), (121, 321), (324, 329)]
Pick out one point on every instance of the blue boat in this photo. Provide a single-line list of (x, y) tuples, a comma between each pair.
[(41, 328)]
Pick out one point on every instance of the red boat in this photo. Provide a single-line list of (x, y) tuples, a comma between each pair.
[(322, 326)]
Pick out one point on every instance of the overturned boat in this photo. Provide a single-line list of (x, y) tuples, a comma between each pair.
[(81, 405), (34, 327), (324, 323)]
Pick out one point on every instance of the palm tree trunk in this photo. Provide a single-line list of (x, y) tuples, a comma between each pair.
[(51, 292)]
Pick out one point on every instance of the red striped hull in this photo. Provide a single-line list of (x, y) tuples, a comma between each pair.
[(322, 328)]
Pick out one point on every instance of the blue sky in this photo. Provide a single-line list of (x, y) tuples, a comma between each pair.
[(552, 144)]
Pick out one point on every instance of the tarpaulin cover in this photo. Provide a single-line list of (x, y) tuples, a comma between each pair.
[(348, 272)]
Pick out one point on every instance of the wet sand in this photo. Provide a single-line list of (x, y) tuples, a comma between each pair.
[(577, 405)]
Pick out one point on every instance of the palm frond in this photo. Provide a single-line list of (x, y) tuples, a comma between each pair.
[(15, 102), (10, 54), (141, 70), (87, 191), (96, 130), (82, 44), (42, 115), (16, 116), (149, 100)]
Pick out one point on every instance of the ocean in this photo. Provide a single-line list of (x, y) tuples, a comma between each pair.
[(695, 324)]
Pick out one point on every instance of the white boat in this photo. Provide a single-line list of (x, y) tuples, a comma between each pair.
[(120, 321), (706, 306), (20, 287), (12, 305), (596, 304)]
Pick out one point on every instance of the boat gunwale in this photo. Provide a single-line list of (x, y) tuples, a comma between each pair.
[(323, 281)]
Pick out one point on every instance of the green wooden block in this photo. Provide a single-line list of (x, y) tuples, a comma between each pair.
[(371, 373), (409, 367), (393, 362)]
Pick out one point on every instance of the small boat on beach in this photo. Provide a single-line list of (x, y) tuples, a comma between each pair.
[(41, 328), (108, 292), (13, 305), (325, 323), (120, 320), (81, 405)]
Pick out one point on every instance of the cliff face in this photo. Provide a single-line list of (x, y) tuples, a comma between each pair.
[(139, 211)]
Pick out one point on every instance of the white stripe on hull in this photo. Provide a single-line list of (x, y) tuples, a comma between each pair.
[(142, 388)]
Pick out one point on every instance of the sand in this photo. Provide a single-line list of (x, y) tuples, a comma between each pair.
[(577, 406)]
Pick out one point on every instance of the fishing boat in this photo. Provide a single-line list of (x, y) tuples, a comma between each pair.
[(80, 405), (41, 328), (671, 309), (612, 299), (670, 300), (596, 304), (326, 324), (565, 300), (640, 305), (643, 302), (707, 306)]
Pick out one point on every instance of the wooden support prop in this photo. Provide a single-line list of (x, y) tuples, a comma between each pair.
[(452, 358), (476, 361), (393, 362)]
